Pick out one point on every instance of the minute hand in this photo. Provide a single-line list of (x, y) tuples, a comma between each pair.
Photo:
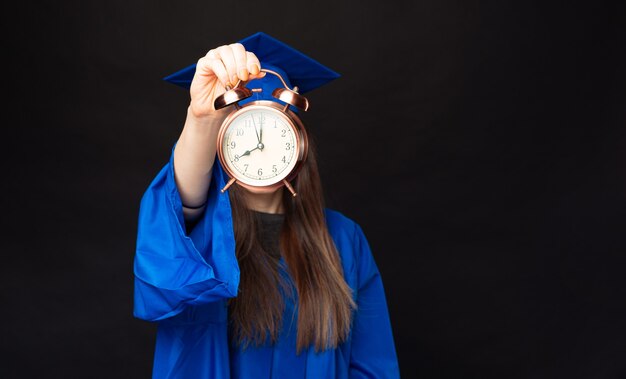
[(256, 131)]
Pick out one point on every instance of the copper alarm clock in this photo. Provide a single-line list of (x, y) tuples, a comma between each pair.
[(263, 143)]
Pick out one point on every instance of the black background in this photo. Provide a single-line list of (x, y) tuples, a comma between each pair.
[(480, 145)]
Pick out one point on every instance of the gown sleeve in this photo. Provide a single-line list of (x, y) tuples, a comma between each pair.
[(373, 354), (175, 268)]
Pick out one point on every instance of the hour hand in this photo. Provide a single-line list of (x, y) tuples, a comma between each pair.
[(247, 152)]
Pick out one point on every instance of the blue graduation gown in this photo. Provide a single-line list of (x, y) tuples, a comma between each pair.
[(183, 280)]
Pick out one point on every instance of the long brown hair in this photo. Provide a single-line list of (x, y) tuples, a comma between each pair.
[(325, 301)]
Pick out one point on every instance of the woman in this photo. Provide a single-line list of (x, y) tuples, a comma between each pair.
[(253, 283)]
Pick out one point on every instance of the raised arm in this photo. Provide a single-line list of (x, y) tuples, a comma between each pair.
[(176, 270), (194, 153)]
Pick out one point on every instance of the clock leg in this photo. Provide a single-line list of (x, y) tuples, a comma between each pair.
[(230, 183), (289, 187)]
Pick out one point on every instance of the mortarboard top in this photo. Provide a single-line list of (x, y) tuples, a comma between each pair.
[(296, 68)]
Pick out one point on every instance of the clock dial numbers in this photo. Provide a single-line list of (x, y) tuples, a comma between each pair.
[(260, 147)]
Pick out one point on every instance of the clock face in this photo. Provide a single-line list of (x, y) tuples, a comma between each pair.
[(260, 146)]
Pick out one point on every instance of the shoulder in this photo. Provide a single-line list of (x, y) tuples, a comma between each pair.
[(342, 227), (337, 221), (349, 239)]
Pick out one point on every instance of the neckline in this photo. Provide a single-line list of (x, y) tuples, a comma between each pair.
[(268, 214), (264, 216)]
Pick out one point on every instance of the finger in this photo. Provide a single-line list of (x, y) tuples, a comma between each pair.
[(207, 66), (212, 54), (203, 67), (239, 52), (215, 63), (220, 71), (225, 53), (254, 66)]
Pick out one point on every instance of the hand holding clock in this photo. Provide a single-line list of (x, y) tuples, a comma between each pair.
[(194, 153), (221, 67)]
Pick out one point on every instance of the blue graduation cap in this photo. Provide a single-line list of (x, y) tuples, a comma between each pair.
[(296, 68)]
